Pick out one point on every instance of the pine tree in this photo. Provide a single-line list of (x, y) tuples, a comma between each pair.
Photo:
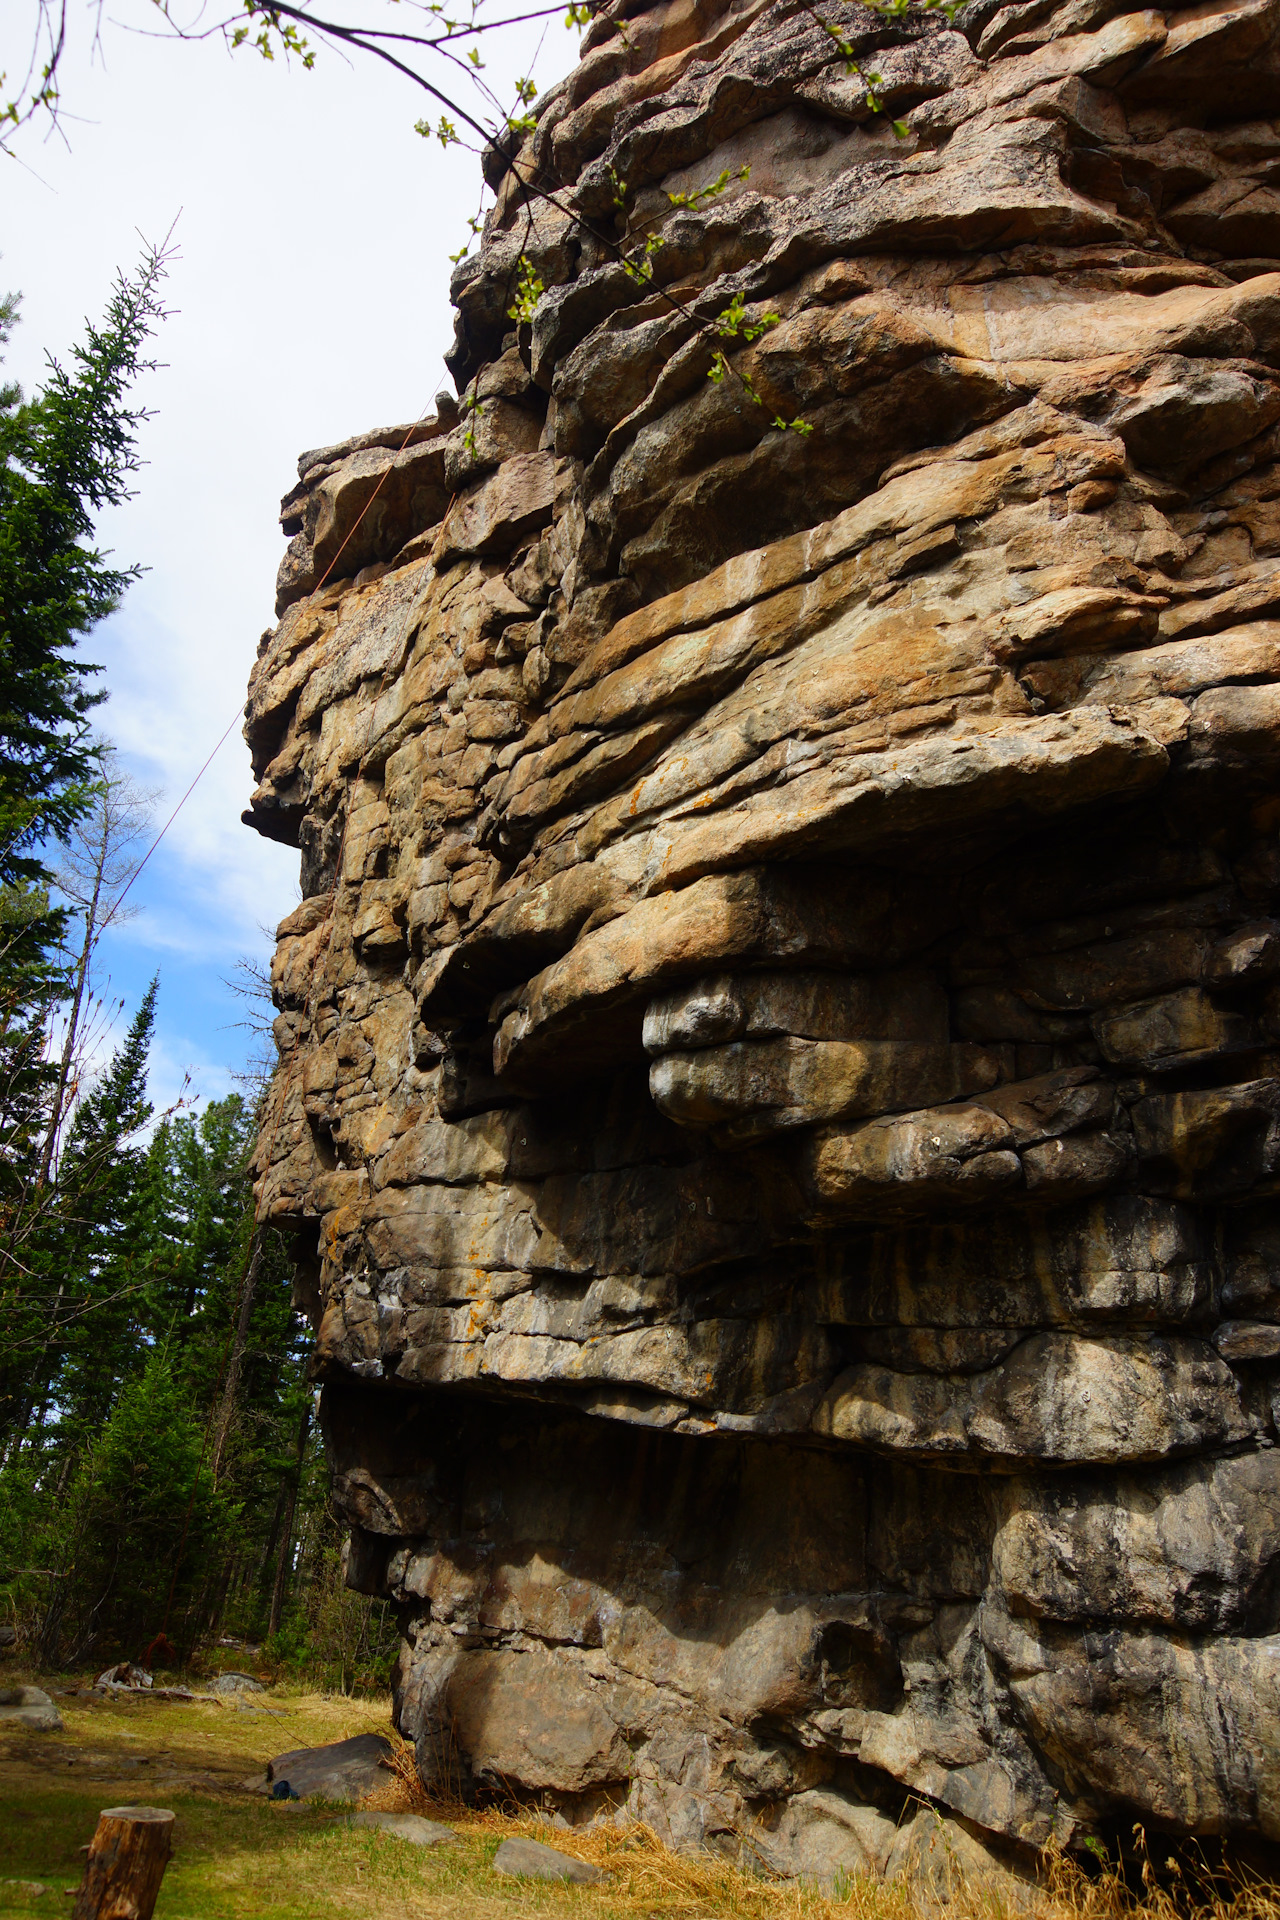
[(64, 456), (86, 1252), (140, 1523)]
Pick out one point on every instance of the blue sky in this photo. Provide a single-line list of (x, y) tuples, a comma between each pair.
[(311, 302)]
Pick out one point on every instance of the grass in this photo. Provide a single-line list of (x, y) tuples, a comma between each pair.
[(238, 1856)]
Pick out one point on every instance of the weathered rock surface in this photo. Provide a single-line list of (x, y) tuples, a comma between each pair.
[(405, 1826), (779, 1097), (29, 1707), (343, 1770), (530, 1859), (235, 1683)]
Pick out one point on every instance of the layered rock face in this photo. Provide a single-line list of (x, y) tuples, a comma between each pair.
[(778, 1093)]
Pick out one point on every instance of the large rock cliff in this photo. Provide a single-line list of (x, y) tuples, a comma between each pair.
[(778, 1094)]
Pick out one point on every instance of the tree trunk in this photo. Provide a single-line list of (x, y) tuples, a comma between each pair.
[(226, 1412), (218, 1611), (58, 1112), (266, 1574), (127, 1858), (286, 1532), (39, 1382)]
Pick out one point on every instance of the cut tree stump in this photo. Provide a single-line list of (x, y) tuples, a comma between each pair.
[(127, 1857)]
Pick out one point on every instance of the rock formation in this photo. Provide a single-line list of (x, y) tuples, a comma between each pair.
[(778, 1096)]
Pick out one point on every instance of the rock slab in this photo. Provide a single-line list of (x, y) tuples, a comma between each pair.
[(405, 1826), (233, 1683), (344, 1770), (531, 1860), (29, 1707)]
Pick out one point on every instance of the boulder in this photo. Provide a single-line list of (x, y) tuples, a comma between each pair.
[(29, 1707), (344, 1770), (234, 1683), (531, 1860), (828, 1838), (944, 1861)]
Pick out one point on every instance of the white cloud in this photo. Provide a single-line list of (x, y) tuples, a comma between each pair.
[(187, 1075)]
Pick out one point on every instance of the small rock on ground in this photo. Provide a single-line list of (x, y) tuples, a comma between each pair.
[(236, 1683), (29, 1707), (533, 1861), (406, 1826)]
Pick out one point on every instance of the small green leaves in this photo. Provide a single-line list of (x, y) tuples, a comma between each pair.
[(843, 46), (526, 93), (718, 369), (529, 290), (717, 187), (473, 55), (873, 82), (578, 15), (640, 265), (475, 225), (446, 133), (732, 323), (289, 40)]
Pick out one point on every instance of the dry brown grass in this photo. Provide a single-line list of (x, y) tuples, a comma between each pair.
[(646, 1878), (239, 1858), (645, 1875)]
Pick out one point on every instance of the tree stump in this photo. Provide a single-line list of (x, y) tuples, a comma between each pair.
[(127, 1858)]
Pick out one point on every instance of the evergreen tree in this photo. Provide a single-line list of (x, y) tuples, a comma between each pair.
[(159, 1467), (140, 1523), (199, 1228), (91, 1248), (64, 456)]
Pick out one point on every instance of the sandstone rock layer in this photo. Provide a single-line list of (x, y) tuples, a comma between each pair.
[(778, 1095)]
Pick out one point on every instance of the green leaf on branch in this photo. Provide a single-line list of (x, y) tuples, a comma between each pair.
[(640, 266), (732, 323), (446, 133), (717, 187), (529, 290)]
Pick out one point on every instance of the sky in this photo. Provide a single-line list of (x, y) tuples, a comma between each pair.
[(310, 302)]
